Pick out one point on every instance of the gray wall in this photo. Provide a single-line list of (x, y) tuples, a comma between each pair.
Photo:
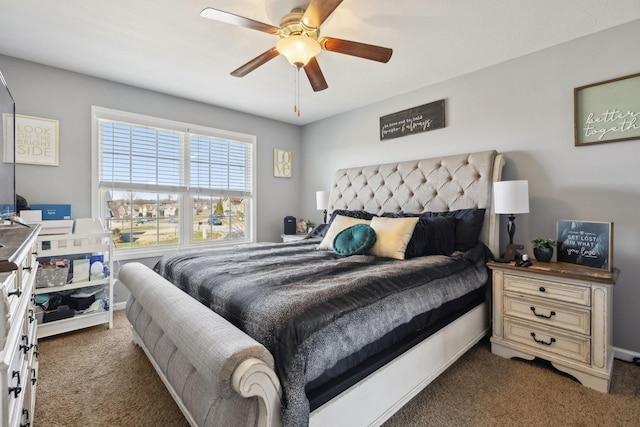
[(53, 93), (523, 108)]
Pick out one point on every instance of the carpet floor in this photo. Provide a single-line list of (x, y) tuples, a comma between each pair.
[(98, 377)]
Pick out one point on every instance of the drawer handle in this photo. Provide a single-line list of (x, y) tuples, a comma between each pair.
[(25, 415), (553, 313), (542, 289), (533, 334), (17, 293), (15, 390)]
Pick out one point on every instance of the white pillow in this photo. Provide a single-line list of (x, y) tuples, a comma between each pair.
[(338, 224), (392, 236)]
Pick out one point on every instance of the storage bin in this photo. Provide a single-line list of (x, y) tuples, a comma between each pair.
[(52, 275)]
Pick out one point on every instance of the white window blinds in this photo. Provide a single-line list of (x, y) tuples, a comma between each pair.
[(137, 157), (220, 166)]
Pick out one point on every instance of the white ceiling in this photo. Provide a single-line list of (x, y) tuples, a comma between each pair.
[(165, 46)]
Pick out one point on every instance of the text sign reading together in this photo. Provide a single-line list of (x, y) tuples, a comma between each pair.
[(413, 120), (607, 111)]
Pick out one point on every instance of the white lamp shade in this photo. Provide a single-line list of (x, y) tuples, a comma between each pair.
[(322, 200), (511, 197), (298, 49)]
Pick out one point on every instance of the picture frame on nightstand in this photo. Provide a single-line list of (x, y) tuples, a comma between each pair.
[(586, 243)]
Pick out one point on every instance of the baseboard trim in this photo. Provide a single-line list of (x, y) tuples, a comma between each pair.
[(120, 305), (626, 355)]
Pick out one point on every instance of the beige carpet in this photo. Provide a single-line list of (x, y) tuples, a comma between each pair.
[(97, 377)]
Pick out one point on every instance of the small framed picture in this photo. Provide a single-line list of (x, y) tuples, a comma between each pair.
[(282, 163), (586, 243), (36, 140)]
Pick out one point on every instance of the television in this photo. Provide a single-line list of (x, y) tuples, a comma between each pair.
[(7, 152)]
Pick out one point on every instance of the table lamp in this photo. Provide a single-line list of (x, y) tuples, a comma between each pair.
[(322, 203), (511, 197)]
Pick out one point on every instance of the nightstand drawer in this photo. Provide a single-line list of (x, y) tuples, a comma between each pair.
[(548, 290), (548, 313), (548, 340)]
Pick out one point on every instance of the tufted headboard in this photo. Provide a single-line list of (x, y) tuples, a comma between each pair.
[(440, 184)]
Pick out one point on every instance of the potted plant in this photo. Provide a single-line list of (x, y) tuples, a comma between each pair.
[(543, 248)]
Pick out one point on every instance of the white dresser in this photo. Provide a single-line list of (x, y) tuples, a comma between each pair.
[(559, 312), (18, 326)]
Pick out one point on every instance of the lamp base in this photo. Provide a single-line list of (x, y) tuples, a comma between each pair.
[(511, 253)]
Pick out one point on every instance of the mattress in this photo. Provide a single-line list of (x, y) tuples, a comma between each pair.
[(323, 317)]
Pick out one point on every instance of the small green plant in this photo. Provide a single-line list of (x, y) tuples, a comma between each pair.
[(311, 224), (541, 242)]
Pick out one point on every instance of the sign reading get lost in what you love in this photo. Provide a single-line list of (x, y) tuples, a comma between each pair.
[(586, 243), (413, 120)]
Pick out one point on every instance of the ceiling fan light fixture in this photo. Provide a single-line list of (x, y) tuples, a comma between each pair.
[(298, 49)]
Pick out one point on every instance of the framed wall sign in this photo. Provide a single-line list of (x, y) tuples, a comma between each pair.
[(282, 163), (36, 140), (419, 119), (607, 111), (586, 243)]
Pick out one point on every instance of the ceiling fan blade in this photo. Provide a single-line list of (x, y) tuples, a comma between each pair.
[(255, 63), (230, 18), (315, 76), (318, 11), (362, 50)]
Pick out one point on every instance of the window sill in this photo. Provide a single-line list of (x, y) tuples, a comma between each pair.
[(156, 252)]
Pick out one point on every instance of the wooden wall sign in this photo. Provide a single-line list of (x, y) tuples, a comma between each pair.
[(607, 111), (413, 120)]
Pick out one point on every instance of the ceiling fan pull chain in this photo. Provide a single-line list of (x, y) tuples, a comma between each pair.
[(296, 103)]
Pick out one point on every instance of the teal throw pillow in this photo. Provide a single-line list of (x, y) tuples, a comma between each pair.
[(355, 240)]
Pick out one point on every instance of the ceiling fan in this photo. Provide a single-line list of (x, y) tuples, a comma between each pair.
[(300, 40)]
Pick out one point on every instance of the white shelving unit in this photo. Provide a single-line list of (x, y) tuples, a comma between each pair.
[(72, 244)]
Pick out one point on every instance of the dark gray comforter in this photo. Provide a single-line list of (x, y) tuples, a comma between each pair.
[(312, 308)]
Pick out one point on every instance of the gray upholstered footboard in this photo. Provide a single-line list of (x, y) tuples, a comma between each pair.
[(217, 374)]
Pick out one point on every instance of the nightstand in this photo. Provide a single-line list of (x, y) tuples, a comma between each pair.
[(559, 312), (292, 237)]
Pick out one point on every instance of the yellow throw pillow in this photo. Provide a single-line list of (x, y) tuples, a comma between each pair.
[(392, 236), (338, 224)]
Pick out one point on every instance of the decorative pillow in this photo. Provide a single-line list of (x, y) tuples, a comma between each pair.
[(351, 214), (355, 240), (338, 224), (392, 236), (468, 226), (432, 236)]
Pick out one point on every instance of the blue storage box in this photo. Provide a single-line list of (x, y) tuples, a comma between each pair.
[(53, 211)]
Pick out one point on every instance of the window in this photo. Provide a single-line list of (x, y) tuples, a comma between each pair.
[(161, 184)]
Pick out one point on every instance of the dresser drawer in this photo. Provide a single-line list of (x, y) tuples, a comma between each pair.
[(548, 290), (548, 340), (548, 313)]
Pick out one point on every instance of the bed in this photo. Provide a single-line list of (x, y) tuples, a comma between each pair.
[(249, 335)]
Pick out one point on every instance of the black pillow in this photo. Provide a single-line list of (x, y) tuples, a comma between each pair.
[(432, 236), (468, 225), (351, 214)]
